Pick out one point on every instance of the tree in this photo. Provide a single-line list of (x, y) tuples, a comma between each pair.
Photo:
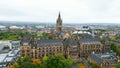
[(118, 51), (113, 47), (57, 61), (69, 62), (45, 59), (94, 65), (117, 66), (26, 59), (15, 65), (36, 61), (113, 38), (26, 65), (50, 37), (19, 60)]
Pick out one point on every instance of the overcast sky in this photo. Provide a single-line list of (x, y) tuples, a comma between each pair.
[(78, 11)]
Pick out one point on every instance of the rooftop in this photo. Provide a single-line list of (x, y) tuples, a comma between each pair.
[(109, 57), (25, 42), (48, 42), (90, 40), (8, 57), (70, 41)]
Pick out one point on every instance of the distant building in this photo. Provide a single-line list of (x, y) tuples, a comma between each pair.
[(85, 28), (59, 24), (8, 58), (3, 28), (15, 27), (6, 43), (15, 44), (6, 46), (81, 32), (106, 60)]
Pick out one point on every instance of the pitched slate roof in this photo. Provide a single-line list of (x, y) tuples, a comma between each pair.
[(99, 58), (25, 42), (89, 40), (70, 41), (49, 42)]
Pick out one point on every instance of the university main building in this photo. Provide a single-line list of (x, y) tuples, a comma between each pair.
[(74, 47)]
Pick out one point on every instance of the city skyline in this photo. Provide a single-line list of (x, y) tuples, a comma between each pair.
[(78, 11)]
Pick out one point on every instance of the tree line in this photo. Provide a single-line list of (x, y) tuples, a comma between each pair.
[(57, 61)]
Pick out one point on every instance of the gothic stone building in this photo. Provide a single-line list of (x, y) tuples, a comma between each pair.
[(45, 47), (89, 44), (69, 47), (41, 48)]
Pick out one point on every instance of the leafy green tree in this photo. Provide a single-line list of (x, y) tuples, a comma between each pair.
[(25, 62), (26, 65), (94, 65), (26, 59), (45, 58), (15, 65), (117, 66), (118, 51), (56, 61), (50, 37), (69, 62), (19, 60), (113, 47)]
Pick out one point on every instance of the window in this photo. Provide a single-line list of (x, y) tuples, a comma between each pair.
[(28, 51), (22, 51)]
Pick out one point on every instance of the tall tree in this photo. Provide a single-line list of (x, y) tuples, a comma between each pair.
[(15, 65), (26, 59), (19, 60), (113, 47)]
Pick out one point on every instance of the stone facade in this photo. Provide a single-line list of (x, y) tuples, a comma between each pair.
[(89, 44)]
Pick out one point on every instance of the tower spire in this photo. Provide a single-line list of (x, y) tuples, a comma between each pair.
[(59, 15), (59, 24)]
